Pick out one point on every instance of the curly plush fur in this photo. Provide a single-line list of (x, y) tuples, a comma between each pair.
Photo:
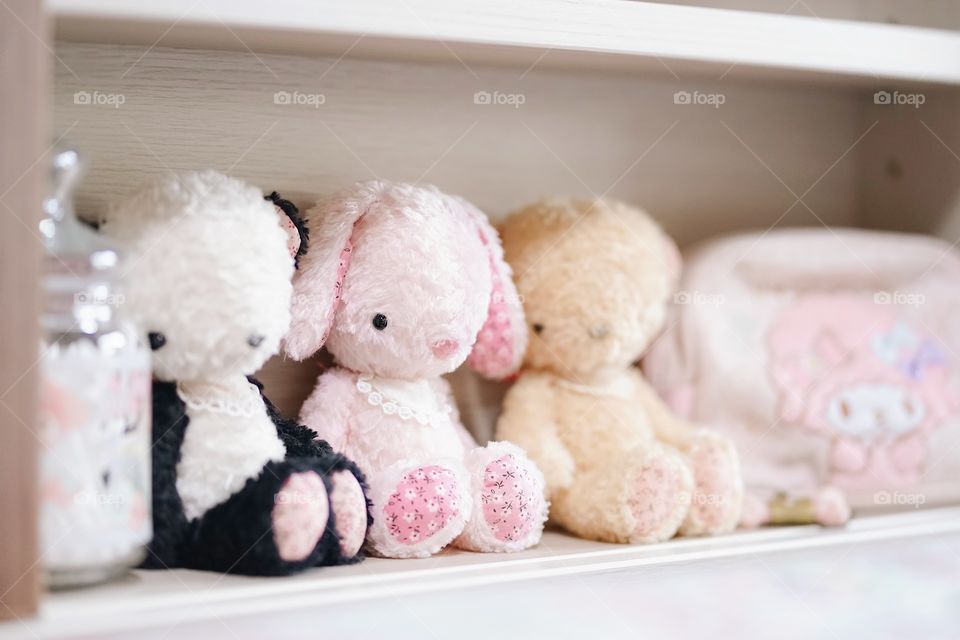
[(236, 487), (595, 277), (408, 283)]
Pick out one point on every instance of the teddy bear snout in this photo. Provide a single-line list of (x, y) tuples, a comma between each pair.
[(444, 348), (256, 339), (599, 331)]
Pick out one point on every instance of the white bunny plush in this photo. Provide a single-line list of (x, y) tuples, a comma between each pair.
[(402, 284), (236, 486)]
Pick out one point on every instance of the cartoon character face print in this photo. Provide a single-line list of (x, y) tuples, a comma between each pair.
[(870, 411), (862, 376)]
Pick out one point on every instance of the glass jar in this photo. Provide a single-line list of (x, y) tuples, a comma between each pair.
[(94, 403)]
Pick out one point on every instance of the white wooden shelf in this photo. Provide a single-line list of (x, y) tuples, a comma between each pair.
[(679, 41), (154, 598)]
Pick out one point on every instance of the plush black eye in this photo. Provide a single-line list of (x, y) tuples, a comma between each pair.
[(537, 328), (379, 322), (255, 340), (157, 340)]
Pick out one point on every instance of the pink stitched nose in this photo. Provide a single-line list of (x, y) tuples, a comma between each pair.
[(444, 348)]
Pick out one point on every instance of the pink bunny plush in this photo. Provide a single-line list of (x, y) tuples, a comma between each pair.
[(403, 283)]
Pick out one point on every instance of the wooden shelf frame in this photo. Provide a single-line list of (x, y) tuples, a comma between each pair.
[(25, 80), (151, 598), (599, 34)]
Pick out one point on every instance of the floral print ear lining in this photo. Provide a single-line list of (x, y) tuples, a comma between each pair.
[(493, 351), (337, 287), (293, 235)]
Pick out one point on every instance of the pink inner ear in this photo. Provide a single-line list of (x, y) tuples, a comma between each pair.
[(337, 287), (293, 235), (493, 350)]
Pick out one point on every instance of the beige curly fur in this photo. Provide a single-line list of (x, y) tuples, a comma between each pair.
[(595, 277)]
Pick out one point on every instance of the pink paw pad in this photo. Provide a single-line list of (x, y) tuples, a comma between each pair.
[(714, 474), (425, 502), (300, 515), (831, 507), (349, 512), (510, 498), (657, 491)]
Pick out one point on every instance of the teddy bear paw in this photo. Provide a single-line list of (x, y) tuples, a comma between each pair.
[(718, 488), (300, 515), (659, 498)]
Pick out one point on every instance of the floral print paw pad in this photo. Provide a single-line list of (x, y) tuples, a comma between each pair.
[(425, 502), (510, 499), (715, 473), (657, 491)]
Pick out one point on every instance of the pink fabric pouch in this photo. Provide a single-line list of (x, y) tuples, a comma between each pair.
[(829, 356)]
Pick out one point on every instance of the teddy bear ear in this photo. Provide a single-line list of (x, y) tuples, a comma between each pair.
[(319, 278), (294, 225), (502, 341), (672, 258)]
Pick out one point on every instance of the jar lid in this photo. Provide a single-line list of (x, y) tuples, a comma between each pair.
[(75, 252), (82, 269)]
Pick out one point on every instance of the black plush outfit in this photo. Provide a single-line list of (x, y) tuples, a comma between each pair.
[(235, 536)]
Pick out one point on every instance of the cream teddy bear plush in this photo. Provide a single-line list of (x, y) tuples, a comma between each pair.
[(595, 277)]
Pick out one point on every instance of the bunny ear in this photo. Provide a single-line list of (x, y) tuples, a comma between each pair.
[(319, 278), (293, 224), (502, 340)]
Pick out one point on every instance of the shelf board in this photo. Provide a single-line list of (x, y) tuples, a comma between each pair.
[(679, 41), (149, 598)]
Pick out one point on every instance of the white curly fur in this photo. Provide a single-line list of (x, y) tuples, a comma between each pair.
[(169, 227), (192, 240)]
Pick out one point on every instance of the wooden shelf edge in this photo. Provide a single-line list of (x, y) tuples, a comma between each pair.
[(602, 34), (146, 598)]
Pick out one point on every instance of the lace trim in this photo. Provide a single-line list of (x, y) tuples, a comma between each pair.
[(390, 406), (224, 406)]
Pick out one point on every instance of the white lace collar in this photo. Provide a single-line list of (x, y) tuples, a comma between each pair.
[(415, 401), (239, 401)]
